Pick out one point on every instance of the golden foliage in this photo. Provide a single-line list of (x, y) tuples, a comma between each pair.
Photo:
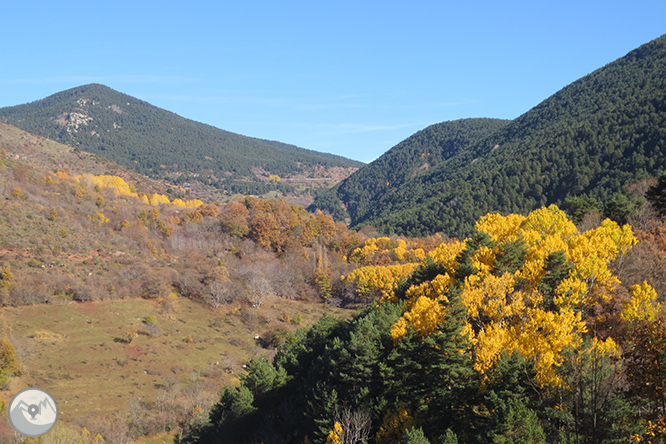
[(380, 279), (447, 253), (9, 363), (507, 309), (53, 214), (424, 317), (394, 424), (336, 435), (384, 250), (194, 203), (6, 276), (17, 193), (98, 218), (643, 304), (119, 186), (654, 431), (158, 199)]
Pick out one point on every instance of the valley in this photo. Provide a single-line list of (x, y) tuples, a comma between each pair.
[(483, 281)]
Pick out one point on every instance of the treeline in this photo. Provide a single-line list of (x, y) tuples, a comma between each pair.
[(521, 333), (156, 142), (590, 139)]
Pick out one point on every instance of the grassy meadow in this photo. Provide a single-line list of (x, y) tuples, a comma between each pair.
[(101, 358)]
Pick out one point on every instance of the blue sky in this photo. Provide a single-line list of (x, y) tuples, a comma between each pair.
[(347, 77)]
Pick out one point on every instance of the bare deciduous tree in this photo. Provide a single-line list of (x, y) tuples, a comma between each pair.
[(220, 293), (356, 425), (258, 287)]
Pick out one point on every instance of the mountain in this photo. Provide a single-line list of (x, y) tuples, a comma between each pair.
[(163, 145), (48, 155), (411, 158), (592, 138), (99, 258)]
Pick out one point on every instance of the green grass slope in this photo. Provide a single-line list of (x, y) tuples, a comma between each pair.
[(159, 143), (591, 138)]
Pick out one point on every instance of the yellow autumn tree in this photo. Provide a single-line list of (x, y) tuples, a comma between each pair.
[(98, 218), (384, 250), (526, 283), (643, 304), (394, 424), (158, 199), (336, 435), (194, 203), (378, 279)]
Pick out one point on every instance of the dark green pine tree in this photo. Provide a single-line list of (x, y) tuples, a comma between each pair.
[(434, 376), (229, 418), (414, 436), (579, 206), (466, 267), (520, 425), (510, 257), (512, 396), (656, 195), (321, 405), (619, 208), (557, 269)]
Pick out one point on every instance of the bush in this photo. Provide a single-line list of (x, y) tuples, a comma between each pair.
[(156, 284), (274, 338), (150, 319), (82, 293), (153, 330)]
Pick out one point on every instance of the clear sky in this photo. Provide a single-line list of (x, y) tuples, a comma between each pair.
[(348, 77)]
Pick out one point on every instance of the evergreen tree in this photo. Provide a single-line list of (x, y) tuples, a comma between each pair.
[(656, 195)]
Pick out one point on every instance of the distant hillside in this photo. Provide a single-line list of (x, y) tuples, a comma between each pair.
[(129, 290), (591, 138), (355, 198), (286, 146), (161, 144), (48, 155)]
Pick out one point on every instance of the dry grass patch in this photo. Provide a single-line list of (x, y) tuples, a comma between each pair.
[(96, 357), (48, 336)]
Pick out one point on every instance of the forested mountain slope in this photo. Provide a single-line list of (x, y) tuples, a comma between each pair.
[(592, 137), (159, 143), (410, 158)]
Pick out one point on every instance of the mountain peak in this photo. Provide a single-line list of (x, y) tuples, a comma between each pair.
[(163, 145)]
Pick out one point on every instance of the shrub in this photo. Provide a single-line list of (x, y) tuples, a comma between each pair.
[(153, 329), (82, 293), (17, 193)]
